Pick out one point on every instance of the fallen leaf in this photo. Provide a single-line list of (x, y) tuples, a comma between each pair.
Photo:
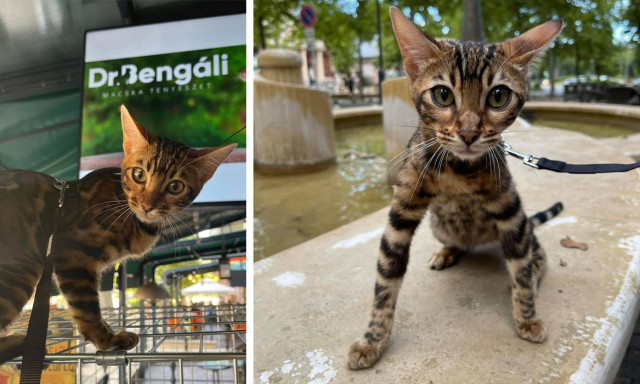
[(570, 243)]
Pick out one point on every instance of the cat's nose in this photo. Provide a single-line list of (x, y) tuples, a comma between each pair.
[(468, 137), (146, 207)]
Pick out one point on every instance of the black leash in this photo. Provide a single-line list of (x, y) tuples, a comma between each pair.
[(561, 166), (34, 343)]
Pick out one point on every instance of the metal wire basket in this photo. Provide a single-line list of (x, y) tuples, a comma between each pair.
[(178, 344)]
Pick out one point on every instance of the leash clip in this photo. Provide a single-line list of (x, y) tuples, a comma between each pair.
[(62, 186), (527, 159)]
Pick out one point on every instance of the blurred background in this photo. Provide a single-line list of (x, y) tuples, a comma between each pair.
[(599, 43)]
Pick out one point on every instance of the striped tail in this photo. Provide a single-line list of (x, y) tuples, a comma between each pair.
[(544, 216)]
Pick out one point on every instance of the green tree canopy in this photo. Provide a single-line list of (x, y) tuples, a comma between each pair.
[(587, 37)]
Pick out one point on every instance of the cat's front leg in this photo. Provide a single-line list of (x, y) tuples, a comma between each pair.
[(525, 263), (407, 210), (78, 282)]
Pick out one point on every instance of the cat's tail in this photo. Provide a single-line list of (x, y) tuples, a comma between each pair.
[(544, 216)]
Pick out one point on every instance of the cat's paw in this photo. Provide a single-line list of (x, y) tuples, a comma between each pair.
[(532, 330), (445, 258), (11, 346), (124, 340), (363, 354)]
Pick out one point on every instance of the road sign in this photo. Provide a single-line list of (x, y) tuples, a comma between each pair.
[(308, 16)]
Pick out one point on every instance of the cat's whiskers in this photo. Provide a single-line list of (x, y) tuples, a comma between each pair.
[(101, 212), (119, 216), (113, 202), (179, 233), (115, 212), (491, 160), (423, 173), (104, 211), (414, 149), (442, 158), (496, 157), (166, 231), (491, 164), (494, 160), (172, 231), (183, 223), (500, 155), (183, 213), (176, 234), (406, 150), (127, 217)]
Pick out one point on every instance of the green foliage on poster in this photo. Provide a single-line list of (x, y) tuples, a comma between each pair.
[(197, 98)]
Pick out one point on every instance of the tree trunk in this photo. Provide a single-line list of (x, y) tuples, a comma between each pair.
[(472, 29), (540, 76), (263, 42)]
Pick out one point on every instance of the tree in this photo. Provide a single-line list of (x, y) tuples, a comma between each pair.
[(342, 25), (364, 26), (440, 20), (631, 21), (276, 23), (272, 18)]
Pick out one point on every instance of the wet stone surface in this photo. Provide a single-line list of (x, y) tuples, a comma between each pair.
[(293, 209)]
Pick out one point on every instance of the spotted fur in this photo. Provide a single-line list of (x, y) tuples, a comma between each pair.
[(455, 168), (107, 216)]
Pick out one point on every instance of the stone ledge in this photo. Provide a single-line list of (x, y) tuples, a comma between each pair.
[(357, 116), (454, 326), (593, 113), (588, 108)]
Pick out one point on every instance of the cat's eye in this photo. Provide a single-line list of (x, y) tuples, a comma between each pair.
[(442, 96), (499, 96), (139, 175), (175, 187)]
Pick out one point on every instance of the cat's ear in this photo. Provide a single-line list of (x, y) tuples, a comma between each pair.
[(531, 44), (135, 137), (416, 47), (208, 160)]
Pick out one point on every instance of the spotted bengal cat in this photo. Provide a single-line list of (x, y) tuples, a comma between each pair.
[(466, 95), (109, 215)]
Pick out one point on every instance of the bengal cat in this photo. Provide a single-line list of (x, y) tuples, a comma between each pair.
[(466, 95), (109, 215)]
